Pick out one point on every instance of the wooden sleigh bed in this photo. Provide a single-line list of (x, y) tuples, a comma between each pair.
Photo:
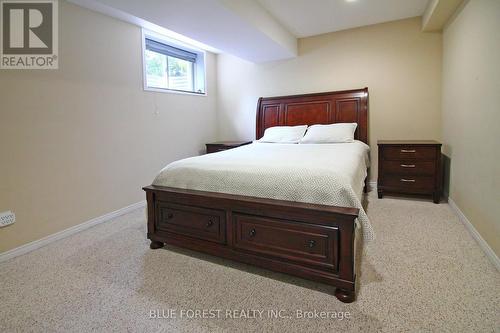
[(315, 242)]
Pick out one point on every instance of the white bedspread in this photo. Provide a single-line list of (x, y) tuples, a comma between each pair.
[(329, 174)]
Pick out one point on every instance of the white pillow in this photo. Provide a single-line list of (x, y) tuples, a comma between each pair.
[(341, 132), (283, 134)]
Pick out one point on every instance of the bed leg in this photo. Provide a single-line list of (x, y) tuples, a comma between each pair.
[(156, 245), (345, 296)]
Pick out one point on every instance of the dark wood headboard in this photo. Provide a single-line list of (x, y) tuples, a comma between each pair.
[(348, 106)]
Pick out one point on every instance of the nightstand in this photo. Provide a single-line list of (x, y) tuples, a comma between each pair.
[(409, 167), (224, 145)]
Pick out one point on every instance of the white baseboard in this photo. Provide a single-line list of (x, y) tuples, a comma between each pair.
[(480, 240), (23, 249), (372, 186)]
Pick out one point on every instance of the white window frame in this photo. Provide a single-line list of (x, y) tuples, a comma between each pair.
[(199, 65)]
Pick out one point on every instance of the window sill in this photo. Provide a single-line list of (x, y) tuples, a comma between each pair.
[(170, 91)]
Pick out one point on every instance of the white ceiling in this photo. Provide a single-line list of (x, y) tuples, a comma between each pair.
[(305, 18), (242, 27), (256, 30)]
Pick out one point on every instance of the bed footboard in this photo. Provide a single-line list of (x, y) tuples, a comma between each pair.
[(315, 242)]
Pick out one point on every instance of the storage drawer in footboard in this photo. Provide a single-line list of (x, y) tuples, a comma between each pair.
[(302, 243), (196, 222)]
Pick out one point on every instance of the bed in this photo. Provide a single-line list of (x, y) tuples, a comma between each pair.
[(291, 208)]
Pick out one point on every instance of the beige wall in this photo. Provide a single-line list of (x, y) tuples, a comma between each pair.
[(400, 65), (80, 141), (471, 114)]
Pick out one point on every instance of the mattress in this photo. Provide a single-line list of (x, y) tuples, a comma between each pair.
[(327, 174)]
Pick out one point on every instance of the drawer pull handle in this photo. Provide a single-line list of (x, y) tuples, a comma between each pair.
[(408, 180), (170, 215), (252, 232), (210, 223), (311, 243), (408, 165), (408, 150)]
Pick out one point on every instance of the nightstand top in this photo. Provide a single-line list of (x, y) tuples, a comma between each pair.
[(229, 143), (408, 142)]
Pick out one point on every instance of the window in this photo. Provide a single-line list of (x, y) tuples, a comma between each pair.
[(171, 66)]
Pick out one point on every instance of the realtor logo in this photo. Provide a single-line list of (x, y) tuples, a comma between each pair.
[(28, 34)]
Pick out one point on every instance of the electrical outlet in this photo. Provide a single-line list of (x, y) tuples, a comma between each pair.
[(7, 218)]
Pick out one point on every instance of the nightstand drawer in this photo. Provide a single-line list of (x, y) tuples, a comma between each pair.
[(224, 145), (214, 149), (409, 153), (420, 183), (401, 167)]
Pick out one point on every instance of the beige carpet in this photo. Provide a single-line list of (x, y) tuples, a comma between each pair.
[(424, 273)]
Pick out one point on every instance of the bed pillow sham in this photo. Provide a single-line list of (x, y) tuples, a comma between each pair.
[(283, 134), (333, 133)]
